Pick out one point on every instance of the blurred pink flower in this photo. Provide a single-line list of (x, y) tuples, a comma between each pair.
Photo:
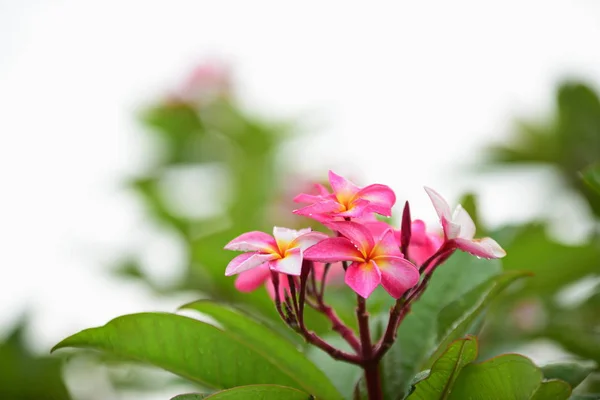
[(207, 82), (459, 229), (374, 262)]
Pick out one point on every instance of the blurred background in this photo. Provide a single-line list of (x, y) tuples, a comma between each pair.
[(137, 138)]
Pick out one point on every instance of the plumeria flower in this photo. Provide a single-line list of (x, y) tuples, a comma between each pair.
[(282, 252), (423, 244), (374, 262), (347, 200), (459, 229)]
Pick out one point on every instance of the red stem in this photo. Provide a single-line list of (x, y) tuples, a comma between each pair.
[(370, 365)]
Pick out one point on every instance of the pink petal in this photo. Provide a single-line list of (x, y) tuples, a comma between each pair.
[(333, 250), (377, 228), (363, 278), (357, 233), (250, 280), (253, 241), (291, 264), (380, 197), (356, 209), (417, 231), (397, 275), (342, 188), (387, 246), (307, 198), (308, 240), (322, 189), (441, 206), (486, 247), (247, 261), (284, 236), (467, 226), (322, 207)]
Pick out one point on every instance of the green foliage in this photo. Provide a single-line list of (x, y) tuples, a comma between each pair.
[(253, 392), (569, 142), (510, 376), (417, 335), (197, 351), (25, 376), (454, 376), (572, 372), (591, 176), (458, 317), (439, 381), (280, 350)]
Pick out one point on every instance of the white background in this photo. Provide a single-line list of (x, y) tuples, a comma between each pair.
[(402, 93)]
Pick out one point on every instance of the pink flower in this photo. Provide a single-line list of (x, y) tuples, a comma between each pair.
[(207, 82), (347, 200), (423, 244), (282, 252), (374, 262), (459, 229), (252, 279)]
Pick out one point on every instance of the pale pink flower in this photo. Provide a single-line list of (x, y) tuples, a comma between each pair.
[(374, 262), (459, 229), (347, 200), (207, 82), (282, 252)]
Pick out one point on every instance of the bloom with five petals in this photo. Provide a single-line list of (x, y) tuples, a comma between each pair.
[(282, 252), (423, 244), (459, 229), (347, 200), (374, 261)]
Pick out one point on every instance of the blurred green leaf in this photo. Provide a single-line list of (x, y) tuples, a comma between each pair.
[(280, 350), (456, 319), (190, 348), (509, 376), (444, 371), (417, 335), (572, 372), (553, 264), (570, 141), (257, 392), (342, 375), (591, 176), (191, 396), (25, 376)]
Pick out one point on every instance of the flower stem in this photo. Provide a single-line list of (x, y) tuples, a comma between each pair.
[(370, 365)]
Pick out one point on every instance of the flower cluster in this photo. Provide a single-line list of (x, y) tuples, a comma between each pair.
[(368, 252)]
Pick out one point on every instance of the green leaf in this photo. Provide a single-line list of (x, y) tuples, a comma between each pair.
[(191, 396), (510, 376), (262, 338), (342, 375), (438, 384), (190, 348), (458, 317), (591, 176), (417, 335), (553, 264), (573, 372), (260, 392)]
